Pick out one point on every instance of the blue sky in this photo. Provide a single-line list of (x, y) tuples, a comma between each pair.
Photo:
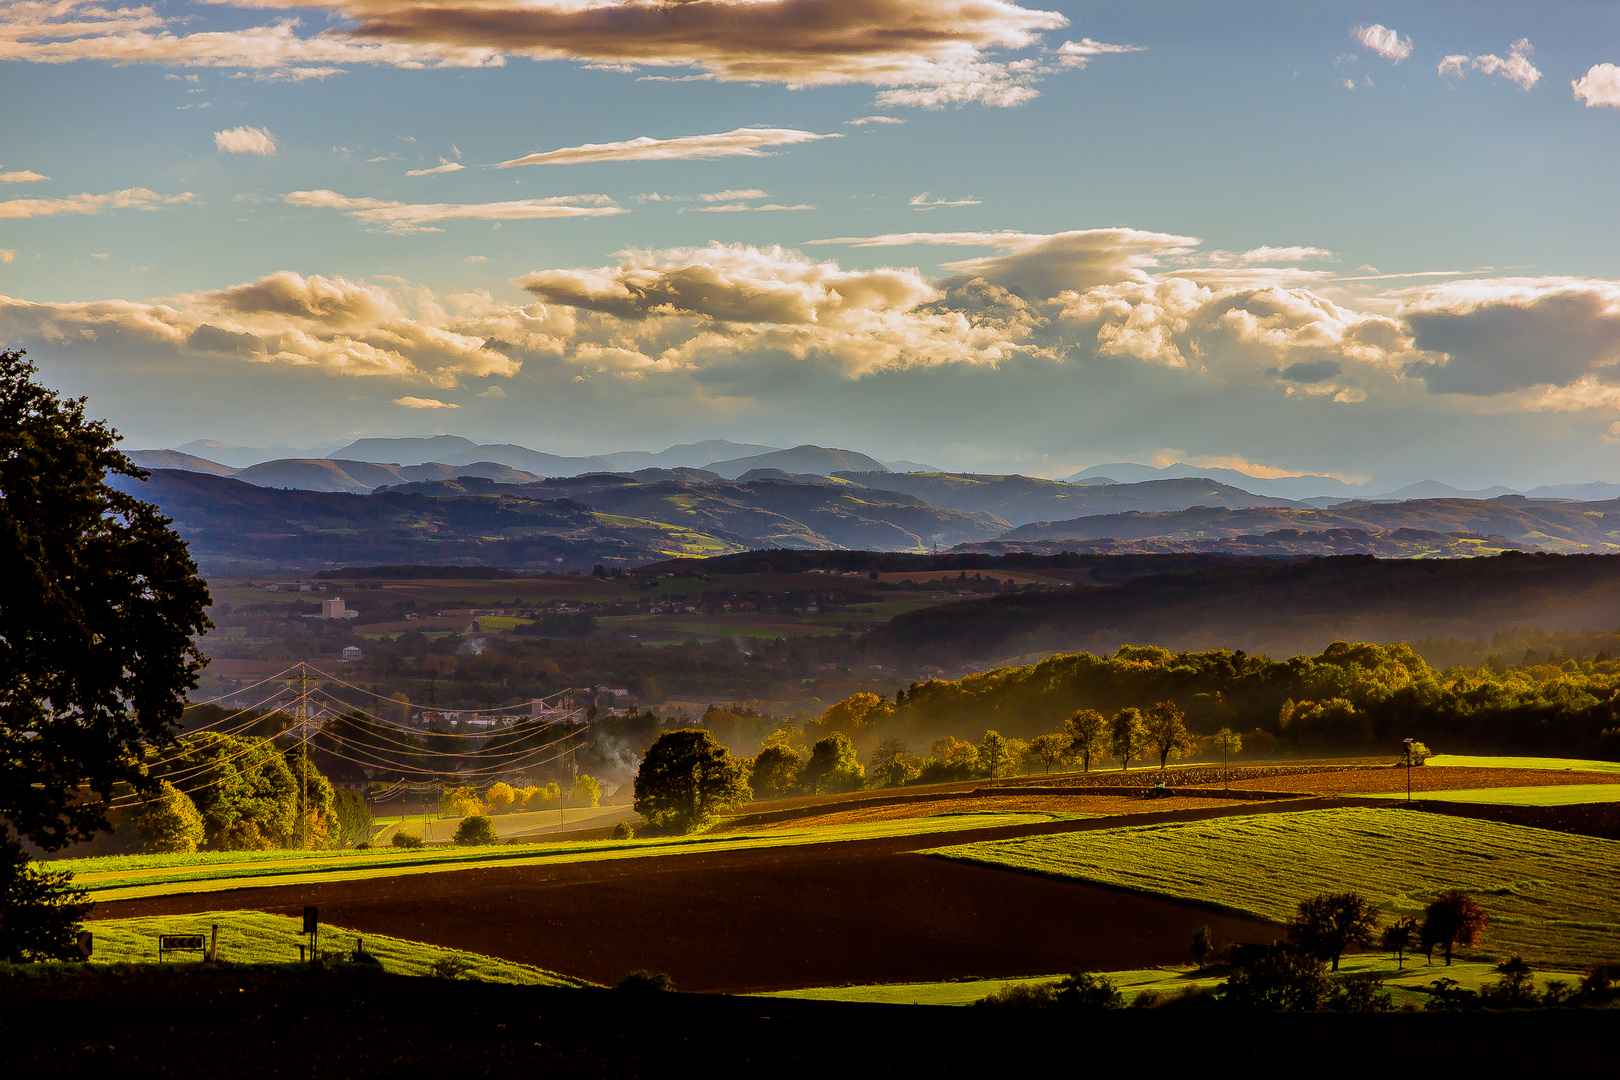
[(1075, 233)]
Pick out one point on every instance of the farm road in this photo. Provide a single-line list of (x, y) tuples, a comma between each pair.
[(773, 918)]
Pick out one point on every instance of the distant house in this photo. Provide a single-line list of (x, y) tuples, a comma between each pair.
[(335, 609), (351, 653)]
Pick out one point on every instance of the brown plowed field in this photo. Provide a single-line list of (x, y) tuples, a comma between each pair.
[(772, 918), (1034, 802), (1586, 819), (1392, 780)]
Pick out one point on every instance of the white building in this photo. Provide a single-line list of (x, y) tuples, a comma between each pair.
[(334, 609), (351, 653)]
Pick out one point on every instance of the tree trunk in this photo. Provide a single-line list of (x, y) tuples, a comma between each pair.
[(1335, 961)]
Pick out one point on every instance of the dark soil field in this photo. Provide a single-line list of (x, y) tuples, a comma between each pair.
[(250, 1023), (1588, 819), (772, 918), (1393, 779)]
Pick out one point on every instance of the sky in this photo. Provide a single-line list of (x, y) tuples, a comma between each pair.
[(1374, 241)]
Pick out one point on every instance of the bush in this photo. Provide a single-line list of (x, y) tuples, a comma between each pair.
[(646, 982), (1088, 990), (1278, 981), (1021, 996), (406, 840), (474, 831), (624, 831), (454, 966)]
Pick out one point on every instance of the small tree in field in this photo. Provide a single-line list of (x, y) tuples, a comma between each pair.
[(833, 766), (892, 764), (1167, 732), (587, 790), (500, 797), (475, 831), (1453, 918), (1127, 736), (686, 778), (1088, 736), (1325, 926), (1049, 750), (1203, 943), (1231, 744), (996, 757), (776, 771), (1399, 937)]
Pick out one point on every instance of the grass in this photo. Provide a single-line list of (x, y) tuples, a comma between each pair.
[(1544, 795), (1550, 896), (1404, 985), (253, 937), (128, 877), (1556, 763)]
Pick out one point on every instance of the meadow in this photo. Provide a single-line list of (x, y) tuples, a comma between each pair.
[(1550, 896), (1478, 761), (253, 937), (128, 877), (1541, 795)]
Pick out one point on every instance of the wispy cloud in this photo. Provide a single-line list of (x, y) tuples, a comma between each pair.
[(425, 403), (1383, 41), (25, 176), (128, 199), (445, 165), (862, 121), (740, 207), (1599, 86), (1079, 53), (742, 142), (245, 140), (923, 202), (1517, 68), (402, 217)]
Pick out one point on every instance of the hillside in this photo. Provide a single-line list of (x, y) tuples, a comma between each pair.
[(1025, 499), (801, 459), (1279, 609)]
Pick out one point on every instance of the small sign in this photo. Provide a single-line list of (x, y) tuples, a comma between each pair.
[(181, 941), (311, 920), (86, 942)]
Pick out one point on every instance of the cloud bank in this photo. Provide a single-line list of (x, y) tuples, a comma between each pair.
[(743, 142)]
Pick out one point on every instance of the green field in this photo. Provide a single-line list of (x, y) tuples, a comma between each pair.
[(1404, 984), (1545, 795), (128, 877), (252, 937), (1465, 761), (1550, 896)]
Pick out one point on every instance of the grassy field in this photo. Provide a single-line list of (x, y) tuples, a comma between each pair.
[(1550, 896), (1556, 763), (1548, 795), (131, 876), (253, 937), (1403, 984)]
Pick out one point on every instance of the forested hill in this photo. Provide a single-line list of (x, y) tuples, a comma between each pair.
[(1279, 609)]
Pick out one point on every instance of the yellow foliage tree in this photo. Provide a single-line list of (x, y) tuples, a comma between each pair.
[(587, 791), (460, 802), (853, 713), (500, 797)]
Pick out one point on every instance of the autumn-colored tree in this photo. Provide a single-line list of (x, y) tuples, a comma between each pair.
[(500, 797), (853, 713), (169, 822), (1452, 918), (687, 777), (1127, 736), (1088, 736), (996, 755), (1167, 732), (1050, 749), (587, 790)]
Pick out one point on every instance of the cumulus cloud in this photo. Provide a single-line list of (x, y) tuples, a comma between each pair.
[(940, 49), (1383, 41), (23, 176), (402, 217), (496, 391), (1040, 267), (8, 255), (1516, 68), (742, 142), (245, 140), (128, 199), (425, 403), (333, 324), (1599, 86), (445, 165), (1502, 335), (923, 202)]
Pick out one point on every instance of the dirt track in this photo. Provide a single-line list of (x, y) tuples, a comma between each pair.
[(773, 918)]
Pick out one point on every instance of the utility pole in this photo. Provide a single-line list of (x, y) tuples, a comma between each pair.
[(303, 724)]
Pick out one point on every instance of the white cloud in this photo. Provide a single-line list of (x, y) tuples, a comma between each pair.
[(742, 142), (1349, 84), (496, 391), (8, 255), (476, 258), (1599, 86), (424, 403), (1517, 68), (128, 199), (1079, 53), (736, 208), (101, 254), (444, 166), (401, 217), (245, 140), (24, 176), (1285, 254), (862, 121), (923, 202), (1383, 41)]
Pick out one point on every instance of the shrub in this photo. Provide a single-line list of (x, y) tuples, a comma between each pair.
[(1088, 990), (646, 982), (1021, 996), (1360, 993), (454, 966), (406, 840), (1420, 753), (1278, 981), (475, 831), (624, 831)]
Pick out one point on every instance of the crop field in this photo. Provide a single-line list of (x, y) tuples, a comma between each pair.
[(1545, 795), (254, 937), (1404, 983), (1550, 896), (1470, 761), (1057, 804), (1424, 781), (133, 876)]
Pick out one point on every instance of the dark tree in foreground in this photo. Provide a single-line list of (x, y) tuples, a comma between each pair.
[(1279, 981), (39, 912), (1452, 919), (1325, 926), (686, 778), (1399, 938), (1203, 943), (101, 605)]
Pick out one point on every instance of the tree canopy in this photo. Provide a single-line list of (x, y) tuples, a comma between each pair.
[(686, 778), (97, 630)]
